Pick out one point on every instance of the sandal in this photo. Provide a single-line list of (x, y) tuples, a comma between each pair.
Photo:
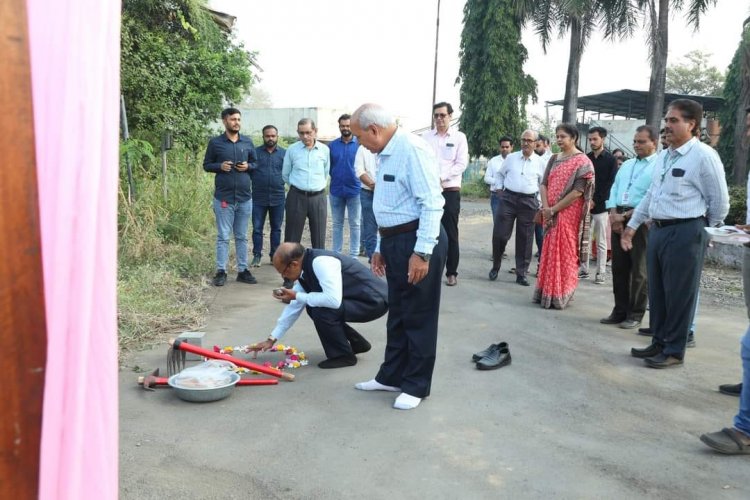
[(727, 441)]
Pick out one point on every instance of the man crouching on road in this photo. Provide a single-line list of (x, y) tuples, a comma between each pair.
[(336, 290)]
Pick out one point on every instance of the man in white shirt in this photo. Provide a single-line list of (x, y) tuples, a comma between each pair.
[(519, 179), (452, 151), (335, 290), (493, 165), (365, 168)]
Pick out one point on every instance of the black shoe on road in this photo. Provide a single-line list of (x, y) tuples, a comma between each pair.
[(220, 278), (246, 277), (731, 389)]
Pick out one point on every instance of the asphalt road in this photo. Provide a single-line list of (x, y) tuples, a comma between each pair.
[(574, 416)]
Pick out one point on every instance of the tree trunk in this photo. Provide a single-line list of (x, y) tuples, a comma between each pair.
[(659, 48), (740, 130), (570, 106)]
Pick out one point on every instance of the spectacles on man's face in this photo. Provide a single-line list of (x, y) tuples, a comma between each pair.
[(440, 115), (304, 133), (528, 140)]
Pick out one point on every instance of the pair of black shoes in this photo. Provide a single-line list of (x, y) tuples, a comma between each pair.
[(245, 276), (494, 357)]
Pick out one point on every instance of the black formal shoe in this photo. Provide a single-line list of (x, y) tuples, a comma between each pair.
[(339, 362), (731, 389), (493, 274), (690, 340), (521, 280), (646, 332), (358, 342), (662, 360), (220, 278), (246, 277), (493, 347), (646, 352), (494, 360), (611, 320)]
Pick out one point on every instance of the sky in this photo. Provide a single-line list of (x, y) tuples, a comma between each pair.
[(336, 54)]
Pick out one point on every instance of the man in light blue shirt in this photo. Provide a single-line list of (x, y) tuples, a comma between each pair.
[(629, 278), (688, 192), (305, 169), (411, 252)]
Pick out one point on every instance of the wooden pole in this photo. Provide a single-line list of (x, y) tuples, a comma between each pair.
[(22, 319)]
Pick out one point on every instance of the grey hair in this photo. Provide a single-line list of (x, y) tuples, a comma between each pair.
[(373, 114), (536, 134), (305, 121)]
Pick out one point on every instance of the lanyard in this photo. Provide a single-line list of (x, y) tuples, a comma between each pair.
[(632, 173)]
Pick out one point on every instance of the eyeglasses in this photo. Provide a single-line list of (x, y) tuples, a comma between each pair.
[(528, 140), (305, 132), (440, 115)]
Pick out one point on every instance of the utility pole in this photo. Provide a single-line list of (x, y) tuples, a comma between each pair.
[(434, 74)]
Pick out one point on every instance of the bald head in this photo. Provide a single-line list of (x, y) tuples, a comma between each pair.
[(288, 260)]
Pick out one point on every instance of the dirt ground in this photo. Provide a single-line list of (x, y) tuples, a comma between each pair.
[(574, 416)]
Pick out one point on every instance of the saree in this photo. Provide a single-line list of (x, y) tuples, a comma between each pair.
[(566, 234)]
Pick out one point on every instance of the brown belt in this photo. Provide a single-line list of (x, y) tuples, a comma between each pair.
[(451, 189), (386, 232)]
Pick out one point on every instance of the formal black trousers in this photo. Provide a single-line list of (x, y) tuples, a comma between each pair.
[(518, 209), (451, 211), (675, 261), (301, 206), (630, 276), (331, 324), (412, 315)]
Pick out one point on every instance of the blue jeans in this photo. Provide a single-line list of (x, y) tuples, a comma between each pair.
[(352, 206), (742, 420), (369, 224), (259, 221), (233, 218)]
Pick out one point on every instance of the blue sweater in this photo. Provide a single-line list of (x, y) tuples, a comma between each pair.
[(344, 180)]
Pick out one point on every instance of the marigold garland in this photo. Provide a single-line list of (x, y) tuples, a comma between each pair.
[(293, 357)]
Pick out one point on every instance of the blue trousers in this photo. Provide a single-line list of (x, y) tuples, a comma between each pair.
[(276, 214), (232, 218)]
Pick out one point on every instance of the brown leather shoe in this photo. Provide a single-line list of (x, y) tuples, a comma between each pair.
[(452, 281), (663, 361)]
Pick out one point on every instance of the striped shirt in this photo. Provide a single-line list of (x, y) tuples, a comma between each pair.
[(686, 182), (632, 182), (306, 169), (408, 188)]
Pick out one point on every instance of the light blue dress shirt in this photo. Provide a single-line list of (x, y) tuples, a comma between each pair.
[(686, 182), (632, 182), (408, 188), (306, 169)]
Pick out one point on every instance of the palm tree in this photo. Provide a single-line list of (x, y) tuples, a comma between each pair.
[(657, 20), (617, 19)]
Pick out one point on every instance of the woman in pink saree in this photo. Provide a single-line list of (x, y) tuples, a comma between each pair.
[(566, 190)]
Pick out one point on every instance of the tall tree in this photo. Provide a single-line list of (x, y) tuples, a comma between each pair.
[(694, 76), (178, 69), (494, 87), (657, 19), (733, 147), (579, 18)]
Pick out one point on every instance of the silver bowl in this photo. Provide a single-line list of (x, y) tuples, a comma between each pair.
[(198, 395)]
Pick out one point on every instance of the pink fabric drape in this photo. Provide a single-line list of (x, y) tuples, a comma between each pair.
[(75, 61)]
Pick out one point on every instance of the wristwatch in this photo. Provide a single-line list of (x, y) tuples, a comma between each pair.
[(424, 256), (273, 340)]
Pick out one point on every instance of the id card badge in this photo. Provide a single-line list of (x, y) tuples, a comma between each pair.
[(626, 199)]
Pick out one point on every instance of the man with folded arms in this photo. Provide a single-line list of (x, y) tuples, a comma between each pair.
[(335, 290), (688, 191), (629, 279), (411, 253), (306, 166), (518, 181)]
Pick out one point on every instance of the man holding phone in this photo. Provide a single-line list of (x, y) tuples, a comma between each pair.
[(229, 156)]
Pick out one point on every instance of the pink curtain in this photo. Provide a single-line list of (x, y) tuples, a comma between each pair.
[(75, 61)]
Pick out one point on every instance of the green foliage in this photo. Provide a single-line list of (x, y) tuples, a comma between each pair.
[(166, 248), (494, 87), (694, 76), (732, 94), (737, 205), (178, 69)]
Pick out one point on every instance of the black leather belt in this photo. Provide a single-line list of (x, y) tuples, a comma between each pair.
[(522, 195), (307, 193), (386, 232), (672, 222), (622, 209)]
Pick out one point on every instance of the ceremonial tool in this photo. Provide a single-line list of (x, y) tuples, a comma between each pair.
[(176, 360), (153, 379)]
